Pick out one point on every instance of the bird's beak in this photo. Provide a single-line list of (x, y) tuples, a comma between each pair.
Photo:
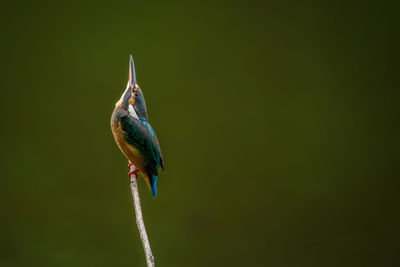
[(131, 84), (132, 75)]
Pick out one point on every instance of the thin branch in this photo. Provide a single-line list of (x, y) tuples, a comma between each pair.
[(139, 219)]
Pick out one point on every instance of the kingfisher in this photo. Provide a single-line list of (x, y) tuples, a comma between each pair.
[(134, 134)]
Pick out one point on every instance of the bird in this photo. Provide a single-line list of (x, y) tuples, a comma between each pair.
[(134, 134)]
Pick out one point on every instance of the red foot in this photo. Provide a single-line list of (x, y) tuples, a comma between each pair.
[(133, 172)]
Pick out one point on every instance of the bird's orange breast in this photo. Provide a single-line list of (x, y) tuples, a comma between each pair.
[(131, 152)]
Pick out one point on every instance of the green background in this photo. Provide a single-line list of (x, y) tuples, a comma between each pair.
[(278, 123)]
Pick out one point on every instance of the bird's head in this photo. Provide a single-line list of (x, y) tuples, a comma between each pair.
[(132, 99)]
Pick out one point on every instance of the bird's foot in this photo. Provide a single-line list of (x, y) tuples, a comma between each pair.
[(135, 172)]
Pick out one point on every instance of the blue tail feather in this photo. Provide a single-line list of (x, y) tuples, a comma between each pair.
[(153, 185)]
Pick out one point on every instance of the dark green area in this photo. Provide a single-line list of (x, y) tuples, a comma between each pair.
[(279, 125)]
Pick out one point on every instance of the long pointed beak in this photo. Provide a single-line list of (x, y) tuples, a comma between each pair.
[(132, 75)]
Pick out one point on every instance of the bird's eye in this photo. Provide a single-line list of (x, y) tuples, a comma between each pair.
[(136, 94)]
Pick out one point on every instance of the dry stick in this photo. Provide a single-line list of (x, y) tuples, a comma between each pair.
[(139, 219)]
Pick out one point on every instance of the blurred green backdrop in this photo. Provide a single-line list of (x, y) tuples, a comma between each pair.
[(278, 123)]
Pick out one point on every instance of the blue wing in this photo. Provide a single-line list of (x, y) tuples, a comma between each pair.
[(142, 136), (156, 144)]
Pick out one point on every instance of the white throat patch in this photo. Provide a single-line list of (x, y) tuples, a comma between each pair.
[(132, 112)]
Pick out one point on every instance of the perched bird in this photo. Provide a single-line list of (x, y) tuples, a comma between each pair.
[(133, 133)]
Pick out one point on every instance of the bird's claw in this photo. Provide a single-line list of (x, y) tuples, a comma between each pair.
[(135, 172)]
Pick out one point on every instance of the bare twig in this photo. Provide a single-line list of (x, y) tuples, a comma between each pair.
[(139, 219)]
